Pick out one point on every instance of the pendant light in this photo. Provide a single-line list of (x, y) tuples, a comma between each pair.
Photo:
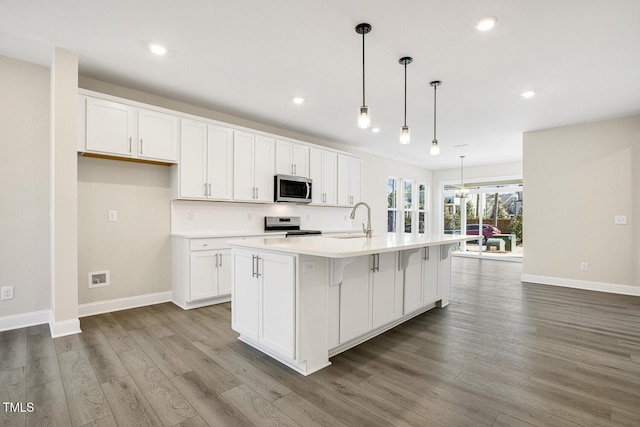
[(405, 137), (435, 148), (462, 192), (364, 119)]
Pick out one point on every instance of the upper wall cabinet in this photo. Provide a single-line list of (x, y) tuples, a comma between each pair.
[(115, 129), (206, 160), (322, 170), (348, 180), (292, 159), (253, 167)]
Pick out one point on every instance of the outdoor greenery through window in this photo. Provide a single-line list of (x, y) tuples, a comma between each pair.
[(410, 212)]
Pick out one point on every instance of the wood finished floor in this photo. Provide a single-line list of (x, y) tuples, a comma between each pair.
[(503, 353)]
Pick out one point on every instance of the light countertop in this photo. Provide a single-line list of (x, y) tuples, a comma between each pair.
[(345, 246)]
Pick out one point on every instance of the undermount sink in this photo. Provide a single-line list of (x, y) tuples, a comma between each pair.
[(350, 236)]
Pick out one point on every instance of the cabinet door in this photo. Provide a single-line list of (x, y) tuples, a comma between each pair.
[(203, 283), (277, 314), (343, 180), (245, 303), (157, 135), (329, 175), (243, 186), (387, 295), (224, 272), (413, 282), (219, 161), (110, 127), (430, 276), (284, 158), (315, 173), (264, 168), (193, 159), (300, 160), (355, 300), (354, 180)]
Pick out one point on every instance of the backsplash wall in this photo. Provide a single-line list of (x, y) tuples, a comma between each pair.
[(194, 216)]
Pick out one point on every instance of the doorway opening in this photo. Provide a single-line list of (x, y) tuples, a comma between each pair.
[(493, 211)]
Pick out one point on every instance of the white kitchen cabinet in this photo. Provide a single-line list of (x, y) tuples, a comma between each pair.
[(111, 127), (370, 295), (201, 271), (253, 167), (292, 159), (206, 158), (420, 279), (264, 309), (323, 173), (117, 129), (349, 180), (157, 136)]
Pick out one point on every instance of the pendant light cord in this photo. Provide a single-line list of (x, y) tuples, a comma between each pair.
[(405, 94), (435, 91), (363, 103)]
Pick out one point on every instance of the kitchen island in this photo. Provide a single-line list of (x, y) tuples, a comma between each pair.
[(302, 300)]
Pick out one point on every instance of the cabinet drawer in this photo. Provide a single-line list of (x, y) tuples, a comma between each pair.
[(207, 244)]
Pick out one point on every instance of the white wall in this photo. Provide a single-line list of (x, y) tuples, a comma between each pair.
[(576, 179), (24, 186), (136, 248)]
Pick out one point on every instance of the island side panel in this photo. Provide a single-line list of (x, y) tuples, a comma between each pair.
[(312, 309)]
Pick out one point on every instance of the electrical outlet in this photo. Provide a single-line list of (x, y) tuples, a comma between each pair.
[(113, 215), (620, 220), (308, 267), (584, 266), (98, 279), (191, 215), (6, 292)]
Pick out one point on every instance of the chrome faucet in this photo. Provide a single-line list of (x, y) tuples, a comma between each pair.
[(367, 230)]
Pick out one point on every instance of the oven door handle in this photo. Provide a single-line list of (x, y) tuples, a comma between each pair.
[(308, 191)]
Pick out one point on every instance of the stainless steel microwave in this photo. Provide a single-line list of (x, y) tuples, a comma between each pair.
[(292, 189)]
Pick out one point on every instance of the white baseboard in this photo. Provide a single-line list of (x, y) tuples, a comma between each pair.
[(613, 288), (118, 304), (24, 320), (67, 327)]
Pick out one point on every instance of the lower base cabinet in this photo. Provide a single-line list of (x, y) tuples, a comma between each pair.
[(420, 279), (263, 308), (370, 295), (201, 272)]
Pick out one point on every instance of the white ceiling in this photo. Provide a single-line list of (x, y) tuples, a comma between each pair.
[(250, 57)]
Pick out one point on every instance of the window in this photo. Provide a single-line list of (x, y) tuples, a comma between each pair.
[(409, 213), (392, 205)]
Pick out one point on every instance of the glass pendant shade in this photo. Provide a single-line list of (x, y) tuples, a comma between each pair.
[(435, 148), (405, 136), (364, 119)]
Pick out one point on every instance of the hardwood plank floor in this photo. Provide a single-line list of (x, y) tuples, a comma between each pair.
[(503, 353)]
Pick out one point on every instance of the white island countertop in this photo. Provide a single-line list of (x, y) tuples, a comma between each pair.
[(348, 245)]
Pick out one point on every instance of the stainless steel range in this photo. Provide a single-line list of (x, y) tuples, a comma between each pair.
[(290, 224)]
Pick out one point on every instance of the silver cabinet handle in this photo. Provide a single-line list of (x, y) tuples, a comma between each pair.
[(205, 189), (253, 266), (257, 266), (129, 144), (140, 145), (257, 192), (426, 254), (295, 169), (376, 262), (216, 264), (220, 262), (292, 172), (209, 190)]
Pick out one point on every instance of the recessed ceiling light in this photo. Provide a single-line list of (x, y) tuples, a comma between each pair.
[(298, 100), (375, 130), (157, 49), (486, 24), (528, 94)]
